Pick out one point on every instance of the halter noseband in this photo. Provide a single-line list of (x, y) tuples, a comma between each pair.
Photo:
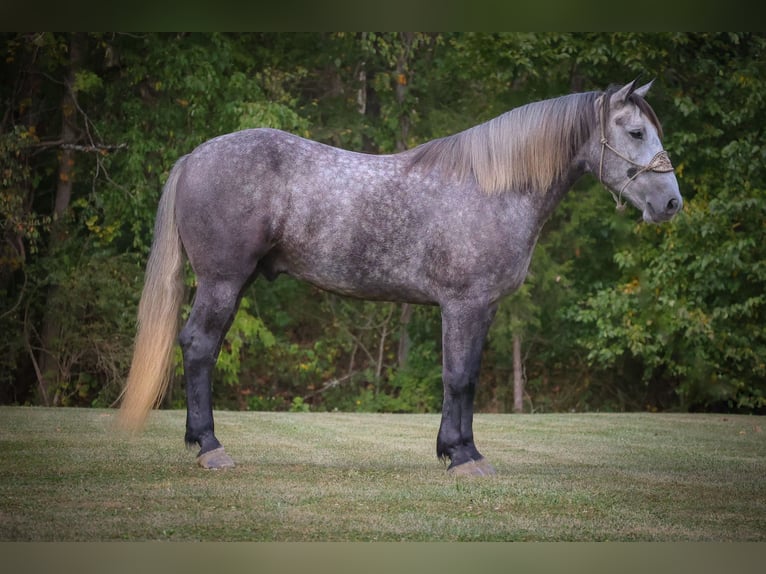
[(659, 163)]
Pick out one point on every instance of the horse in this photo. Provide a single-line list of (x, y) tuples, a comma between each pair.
[(452, 222)]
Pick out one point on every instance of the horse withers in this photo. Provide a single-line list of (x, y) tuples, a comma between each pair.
[(451, 223)]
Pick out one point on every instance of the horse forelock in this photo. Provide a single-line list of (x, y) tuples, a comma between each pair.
[(648, 111), (529, 147)]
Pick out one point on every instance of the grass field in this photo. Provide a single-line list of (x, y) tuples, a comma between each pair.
[(65, 474)]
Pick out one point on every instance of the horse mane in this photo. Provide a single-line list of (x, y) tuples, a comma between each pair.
[(529, 147)]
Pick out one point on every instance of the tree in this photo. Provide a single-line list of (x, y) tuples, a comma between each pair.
[(48, 370), (687, 312), (615, 314)]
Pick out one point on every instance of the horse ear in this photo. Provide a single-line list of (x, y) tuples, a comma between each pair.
[(643, 89), (621, 96)]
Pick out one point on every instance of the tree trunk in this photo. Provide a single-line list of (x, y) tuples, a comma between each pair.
[(518, 376), (403, 352), (48, 364), (402, 82)]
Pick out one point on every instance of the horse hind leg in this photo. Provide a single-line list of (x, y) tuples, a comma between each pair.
[(213, 310)]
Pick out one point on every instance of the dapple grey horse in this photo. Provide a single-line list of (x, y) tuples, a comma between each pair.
[(451, 223)]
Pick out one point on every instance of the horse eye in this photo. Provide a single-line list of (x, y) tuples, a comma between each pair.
[(636, 134)]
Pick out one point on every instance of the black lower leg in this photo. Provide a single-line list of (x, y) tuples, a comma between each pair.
[(200, 426), (464, 330), (201, 340), (455, 439)]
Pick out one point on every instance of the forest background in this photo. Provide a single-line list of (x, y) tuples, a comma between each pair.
[(615, 315)]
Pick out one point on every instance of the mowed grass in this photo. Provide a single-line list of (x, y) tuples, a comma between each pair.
[(66, 474)]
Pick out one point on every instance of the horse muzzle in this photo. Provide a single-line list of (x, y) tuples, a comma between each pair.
[(663, 208)]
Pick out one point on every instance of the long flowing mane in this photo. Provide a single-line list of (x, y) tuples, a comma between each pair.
[(528, 147)]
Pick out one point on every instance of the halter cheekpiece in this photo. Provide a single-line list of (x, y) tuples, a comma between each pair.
[(659, 163)]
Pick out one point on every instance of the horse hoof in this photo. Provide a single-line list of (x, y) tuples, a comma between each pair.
[(215, 459), (480, 467)]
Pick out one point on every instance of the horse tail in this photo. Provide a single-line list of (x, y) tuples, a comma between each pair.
[(151, 369)]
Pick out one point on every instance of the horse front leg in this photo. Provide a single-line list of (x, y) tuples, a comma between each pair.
[(464, 329), (201, 338)]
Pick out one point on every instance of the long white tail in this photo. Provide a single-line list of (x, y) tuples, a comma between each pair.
[(158, 315)]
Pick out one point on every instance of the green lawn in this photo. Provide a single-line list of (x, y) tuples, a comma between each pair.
[(65, 474)]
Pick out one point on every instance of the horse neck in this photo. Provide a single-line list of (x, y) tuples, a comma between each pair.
[(559, 189)]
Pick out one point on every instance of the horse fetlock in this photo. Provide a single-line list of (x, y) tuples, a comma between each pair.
[(204, 439), (457, 453)]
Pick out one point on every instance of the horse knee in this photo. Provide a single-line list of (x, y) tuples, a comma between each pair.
[(458, 382)]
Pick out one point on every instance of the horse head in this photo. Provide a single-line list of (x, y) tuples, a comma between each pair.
[(631, 160)]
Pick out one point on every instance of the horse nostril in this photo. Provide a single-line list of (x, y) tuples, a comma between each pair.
[(672, 205)]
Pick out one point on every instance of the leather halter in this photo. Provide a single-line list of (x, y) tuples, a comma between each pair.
[(659, 163)]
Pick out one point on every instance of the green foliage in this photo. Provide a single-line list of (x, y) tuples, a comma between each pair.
[(299, 406), (247, 331), (689, 308), (615, 314), (96, 297), (417, 386), (691, 318)]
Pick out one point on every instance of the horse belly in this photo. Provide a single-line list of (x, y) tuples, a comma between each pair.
[(346, 273)]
